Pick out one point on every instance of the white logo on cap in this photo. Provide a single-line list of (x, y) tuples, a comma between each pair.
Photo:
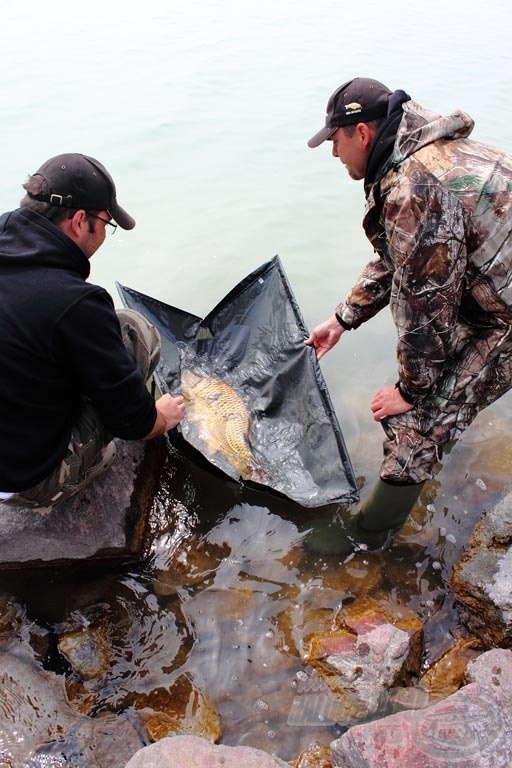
[(353, 107)]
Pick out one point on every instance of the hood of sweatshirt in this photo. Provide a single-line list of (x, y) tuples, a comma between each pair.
[(29, 239), (408, 128), (420, 127)]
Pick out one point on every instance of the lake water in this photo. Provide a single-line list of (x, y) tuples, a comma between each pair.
[(201, 112)]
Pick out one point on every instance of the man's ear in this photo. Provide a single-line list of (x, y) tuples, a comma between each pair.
[(76, 226), (365, 135), (79, 221)]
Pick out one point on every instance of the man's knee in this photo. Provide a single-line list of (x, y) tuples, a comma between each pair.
[(141, 339)]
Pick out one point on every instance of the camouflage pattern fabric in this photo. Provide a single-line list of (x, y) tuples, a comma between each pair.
[(440, 221), (90, 452)]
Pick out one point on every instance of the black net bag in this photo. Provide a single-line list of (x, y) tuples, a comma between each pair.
[(257, 406)]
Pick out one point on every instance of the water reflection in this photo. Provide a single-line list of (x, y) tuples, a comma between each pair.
[(223, 606)]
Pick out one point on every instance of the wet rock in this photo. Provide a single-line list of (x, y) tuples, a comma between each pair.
[(194, 752), (105, 741), (358, 575), (80, 696), (375, 648), (36, 720), (412, 697), (482, 579), (471, 728), (317, 756), (11, 618), (32, 703), (493, 670), (183, 709), (105, 521), (87, 652), (190, 563), (447, 675)]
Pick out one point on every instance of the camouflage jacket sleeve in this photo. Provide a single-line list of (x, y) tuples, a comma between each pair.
[(426, 247), (369, 295)]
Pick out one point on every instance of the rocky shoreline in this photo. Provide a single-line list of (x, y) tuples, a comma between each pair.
[(363, 668), (458, 713)]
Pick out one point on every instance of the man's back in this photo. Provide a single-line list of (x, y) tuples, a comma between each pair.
[(59, 340)]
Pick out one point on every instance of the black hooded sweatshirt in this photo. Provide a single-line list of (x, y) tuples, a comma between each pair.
[(59, 339)]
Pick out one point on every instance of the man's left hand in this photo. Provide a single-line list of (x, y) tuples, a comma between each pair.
[(388, 401)]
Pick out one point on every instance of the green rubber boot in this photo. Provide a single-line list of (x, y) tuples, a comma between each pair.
[(382, 513), (385, 510)]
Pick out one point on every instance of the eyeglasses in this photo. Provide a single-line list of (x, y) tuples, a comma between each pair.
[(105, 221)]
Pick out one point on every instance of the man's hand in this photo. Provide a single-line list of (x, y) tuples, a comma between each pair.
[(325, 336), (169, 412), (388, 401)]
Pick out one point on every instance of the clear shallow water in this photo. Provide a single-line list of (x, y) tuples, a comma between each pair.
[(202, 111)]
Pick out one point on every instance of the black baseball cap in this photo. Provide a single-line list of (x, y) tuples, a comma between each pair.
[(78, 181), (357, 101)]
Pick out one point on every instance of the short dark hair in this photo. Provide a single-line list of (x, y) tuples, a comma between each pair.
[(36, 185), (349, 130)]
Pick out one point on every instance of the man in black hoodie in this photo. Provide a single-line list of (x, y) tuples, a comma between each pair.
[(74, 371)]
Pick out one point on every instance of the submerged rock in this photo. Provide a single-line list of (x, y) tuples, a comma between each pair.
[(447, 675), (375, 648), (182, 709), (471, 728), (482, 579), (36, 721), (87, 652), (105, 521), (317, 756)]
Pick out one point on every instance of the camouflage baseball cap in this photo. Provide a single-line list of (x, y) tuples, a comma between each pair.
[(357, 101)]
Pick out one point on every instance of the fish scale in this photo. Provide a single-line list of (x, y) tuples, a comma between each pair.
[(221, 415)]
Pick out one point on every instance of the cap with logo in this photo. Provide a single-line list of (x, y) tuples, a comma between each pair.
[(78, 181), (357, 101)]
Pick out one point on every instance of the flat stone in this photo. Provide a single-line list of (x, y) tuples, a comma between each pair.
[(195, 752), (471, 728), (105, 521), (482, 579)]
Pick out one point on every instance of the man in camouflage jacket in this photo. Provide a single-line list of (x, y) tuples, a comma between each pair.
[(438, 214)]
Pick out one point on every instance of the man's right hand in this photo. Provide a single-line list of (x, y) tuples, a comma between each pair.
[(325, 336), (169, 412)]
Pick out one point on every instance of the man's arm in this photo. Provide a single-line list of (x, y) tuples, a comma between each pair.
[(89, 339), (368, 296)]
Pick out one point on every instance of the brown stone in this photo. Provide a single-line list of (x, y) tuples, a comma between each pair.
[(181, 709), (186, 566), (358, 575), (447, 675), (317, 756)]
